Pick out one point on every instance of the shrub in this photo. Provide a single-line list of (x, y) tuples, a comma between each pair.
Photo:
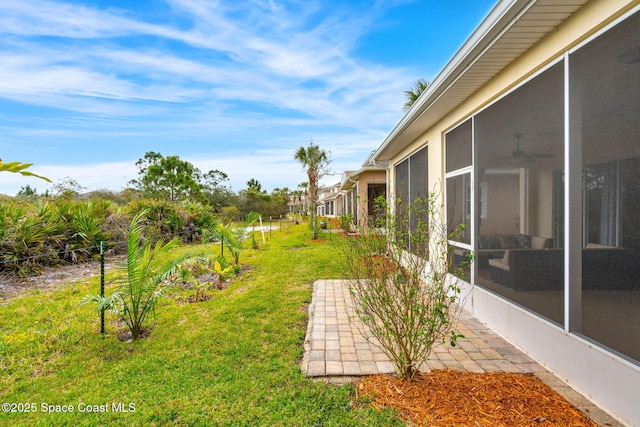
[(229, 214), (345, 222), (399, 279)]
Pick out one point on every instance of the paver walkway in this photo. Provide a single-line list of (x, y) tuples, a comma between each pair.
[(336, 347)]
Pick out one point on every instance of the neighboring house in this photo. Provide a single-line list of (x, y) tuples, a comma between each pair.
[(327, 201), (531, 135), (360, 189), (298, 202)]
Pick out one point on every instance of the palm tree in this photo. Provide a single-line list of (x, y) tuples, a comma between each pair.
[(414, 92), (297, 200), (254, 185), (304, 188), (316, 161)]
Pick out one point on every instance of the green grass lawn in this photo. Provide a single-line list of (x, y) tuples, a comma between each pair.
[(231, 360)]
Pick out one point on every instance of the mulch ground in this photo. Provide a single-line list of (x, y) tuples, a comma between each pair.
[(453, 398)]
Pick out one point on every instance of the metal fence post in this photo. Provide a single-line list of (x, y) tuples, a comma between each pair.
[(102, 285)]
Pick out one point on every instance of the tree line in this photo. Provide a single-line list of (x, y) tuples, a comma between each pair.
[(176, 180)]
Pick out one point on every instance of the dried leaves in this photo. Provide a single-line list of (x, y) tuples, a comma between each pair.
[(452, 398)]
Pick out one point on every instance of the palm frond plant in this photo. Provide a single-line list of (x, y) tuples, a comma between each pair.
[(237, 244), (23, 247), (140, 284), (316, 162), (21, 168), (232, 237), (84, 230), (218, 231), (414, 93)]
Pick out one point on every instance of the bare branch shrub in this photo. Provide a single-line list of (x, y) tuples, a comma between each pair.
[(398, 275)]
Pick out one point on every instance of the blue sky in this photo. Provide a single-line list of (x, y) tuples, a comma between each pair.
[(88, 87)]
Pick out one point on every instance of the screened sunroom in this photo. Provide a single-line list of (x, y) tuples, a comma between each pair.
[(531, 134)]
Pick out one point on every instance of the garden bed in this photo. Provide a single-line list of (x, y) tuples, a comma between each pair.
[(454, 398)]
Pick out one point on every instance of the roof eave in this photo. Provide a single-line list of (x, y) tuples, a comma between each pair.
[(421, 115)]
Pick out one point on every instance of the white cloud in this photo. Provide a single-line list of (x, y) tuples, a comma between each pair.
[(275, 51), (221, 75)]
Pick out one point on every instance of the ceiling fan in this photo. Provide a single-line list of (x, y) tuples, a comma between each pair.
[(520, 154)]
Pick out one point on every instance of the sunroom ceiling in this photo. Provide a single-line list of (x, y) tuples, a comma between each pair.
[(510, 29)]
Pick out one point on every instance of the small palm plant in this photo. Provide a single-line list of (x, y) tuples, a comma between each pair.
[(232, 237), (145, 269), (223, 273), (219, 231)]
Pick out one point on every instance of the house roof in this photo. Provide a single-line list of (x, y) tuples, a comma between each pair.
[(510, 29), (351, 177)]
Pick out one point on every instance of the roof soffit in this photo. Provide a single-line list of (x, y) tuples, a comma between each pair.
[(510, 29)]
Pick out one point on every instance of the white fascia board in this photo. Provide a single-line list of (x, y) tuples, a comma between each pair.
[(497, 22)]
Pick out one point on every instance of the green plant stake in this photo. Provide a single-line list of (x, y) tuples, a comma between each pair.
[(102, 285)]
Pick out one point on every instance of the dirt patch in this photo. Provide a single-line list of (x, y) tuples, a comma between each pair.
[(192, 299), (126, 336), (454, 398), (53, 278)]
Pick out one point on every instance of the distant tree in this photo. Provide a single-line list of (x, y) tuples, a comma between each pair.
[(229, 214), (254, 199), (280, 201), (214, 178), (297, 198), (414, 92), (217, 191), (304, 191), (26, 192), (67, 188), (316, 162), (21, 168), (167, 177)]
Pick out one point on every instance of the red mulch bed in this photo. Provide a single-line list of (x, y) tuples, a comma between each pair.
[(453, 398)]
